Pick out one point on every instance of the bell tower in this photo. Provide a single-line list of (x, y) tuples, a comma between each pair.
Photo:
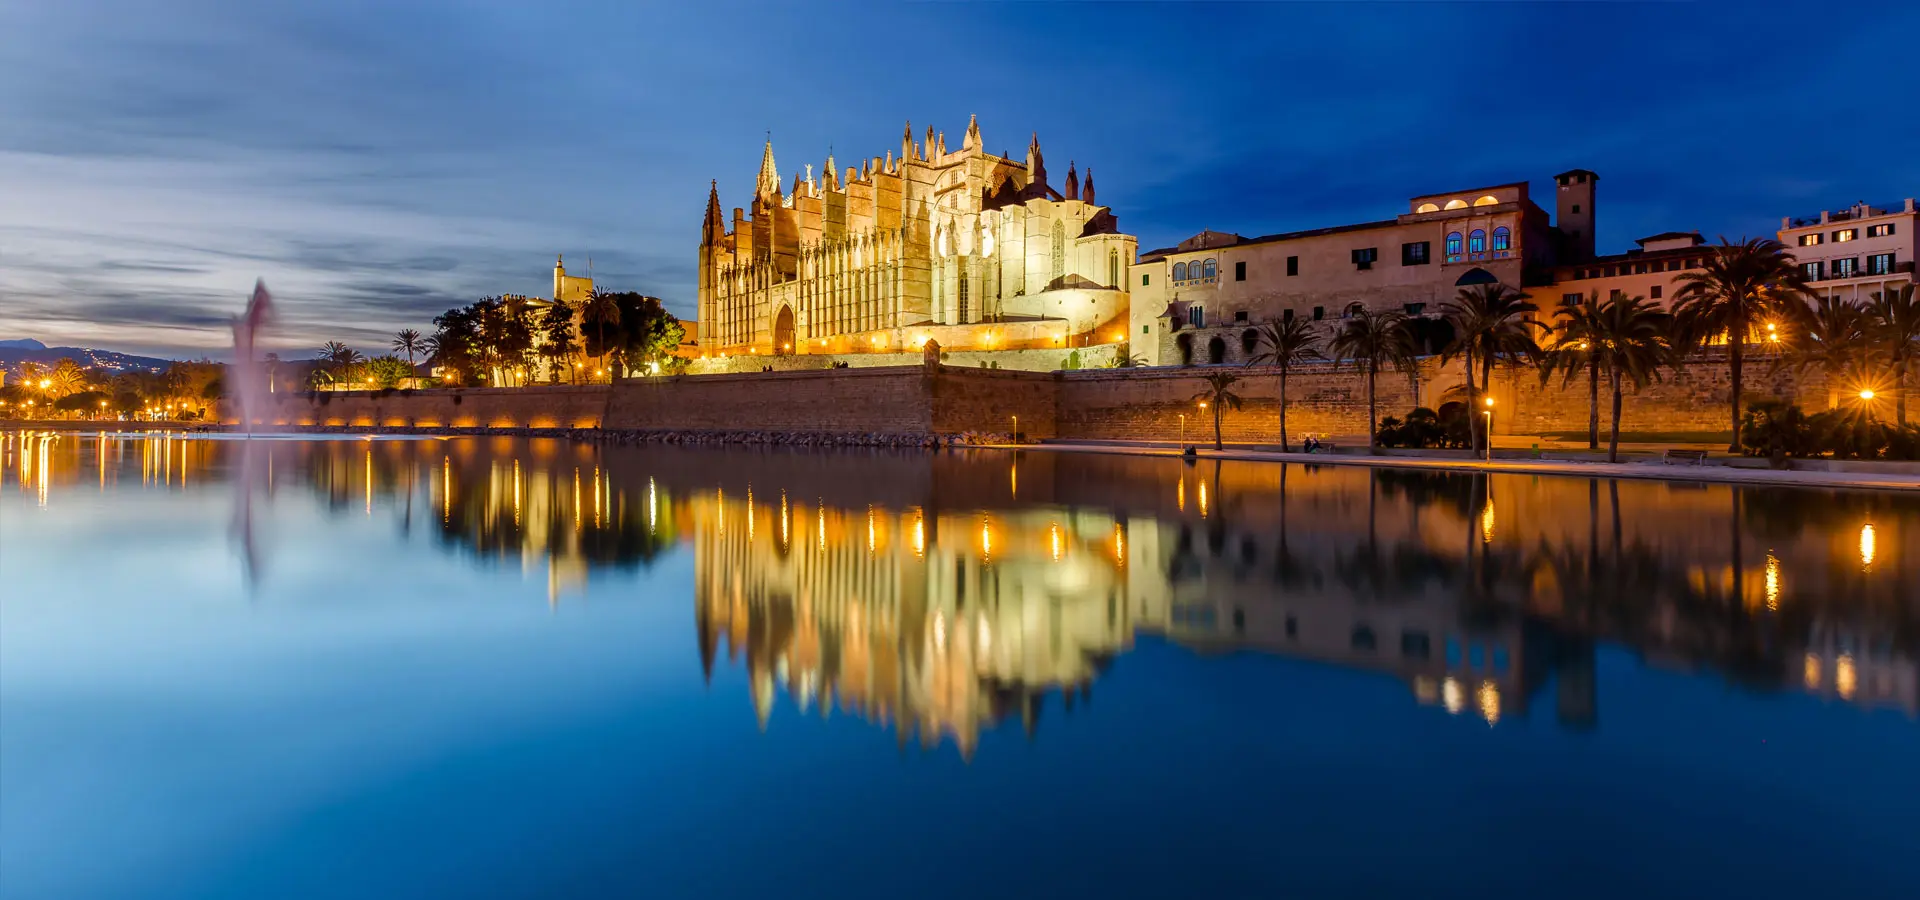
[(1574, 212)]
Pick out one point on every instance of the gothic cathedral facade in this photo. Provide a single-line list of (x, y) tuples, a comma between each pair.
[(973, 250)]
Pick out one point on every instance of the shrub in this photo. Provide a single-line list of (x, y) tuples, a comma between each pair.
[(1777, 429), (1423, 428)]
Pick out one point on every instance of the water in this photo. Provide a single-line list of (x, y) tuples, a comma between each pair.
[(500, 668)]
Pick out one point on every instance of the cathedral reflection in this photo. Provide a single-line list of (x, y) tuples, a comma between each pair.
[(943, 596)]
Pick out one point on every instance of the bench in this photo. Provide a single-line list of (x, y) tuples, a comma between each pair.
[(1690, 457)]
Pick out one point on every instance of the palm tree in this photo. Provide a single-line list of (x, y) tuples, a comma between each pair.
[(1283, 345), (1737, 287), (1629, 341), (1894, 320), (602, 310), (1217, 395), (1490, 322), (1572, 339), (1372, 341), (408, 341), (341, 358), (1830, 336)]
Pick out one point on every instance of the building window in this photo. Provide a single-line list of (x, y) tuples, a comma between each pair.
[(1880, 264), (1845, 268), (1656, 289), (1572, 299), (1113, 269), (1286, 315), (1845, 234), (1425, 208), (1414, 309), (1812, 270), (1810, 240), (1477, 243), (1488, 200), (1211, 271), (1576, 211), (1293, 265), (1239, 315), (1319, 312), (1249, 340), (1502, 240), (1363, 257), (1456, 204), (1884, 230), (1197, 316), (1353, 309), (1240, 271), (1179, 271), (963, 294), (1453, 246), (1639, 268), (1143, 279), (1415, 254), (1143, 330)]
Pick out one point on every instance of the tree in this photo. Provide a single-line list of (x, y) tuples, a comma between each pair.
[(1893, 319), (1490, 322), (456, 343), (67, 378), (1629, 341), (601, 310), (86, 403), (387, 372), (1572, 334), (408, 341), (1283, 345), (1218, 395), (558, 342), (1831, 336), (1737, 287), (642, 331), (1372, 341), (340, 360)]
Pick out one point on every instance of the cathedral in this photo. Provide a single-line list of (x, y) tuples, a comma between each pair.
[(970, 249)]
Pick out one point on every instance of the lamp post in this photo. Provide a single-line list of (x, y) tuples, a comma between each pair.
[(1489, 414), (1016, 429), (1183, 432)]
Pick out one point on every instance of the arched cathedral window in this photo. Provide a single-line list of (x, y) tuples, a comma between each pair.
[(1059, 249)]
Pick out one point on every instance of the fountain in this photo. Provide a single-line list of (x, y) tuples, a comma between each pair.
[(248, 375)]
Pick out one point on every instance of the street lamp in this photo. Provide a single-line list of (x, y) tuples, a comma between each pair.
[(1183, 432), (1016, 429), (1489, 414), (1866, 394)]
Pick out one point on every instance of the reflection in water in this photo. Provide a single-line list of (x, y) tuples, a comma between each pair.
[(937, 596)]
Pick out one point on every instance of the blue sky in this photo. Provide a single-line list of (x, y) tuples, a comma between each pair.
[(378, 162)]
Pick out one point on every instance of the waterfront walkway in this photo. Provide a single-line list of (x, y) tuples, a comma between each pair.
[(1646, 468)]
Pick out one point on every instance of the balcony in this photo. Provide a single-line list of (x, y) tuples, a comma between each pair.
[(1899, 268)]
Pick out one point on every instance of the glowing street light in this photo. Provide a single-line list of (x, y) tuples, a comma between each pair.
[(1489, 414), (1866, 393)]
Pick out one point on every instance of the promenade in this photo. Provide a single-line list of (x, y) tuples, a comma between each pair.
[(1646, 468)]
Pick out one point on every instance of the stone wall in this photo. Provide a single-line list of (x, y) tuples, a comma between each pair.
[(881, 401), (530, 407), (1146, 404), (1102, 404), (1096, 357)]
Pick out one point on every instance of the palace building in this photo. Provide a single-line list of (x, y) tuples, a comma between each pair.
[(974, 250), (1196, 302)]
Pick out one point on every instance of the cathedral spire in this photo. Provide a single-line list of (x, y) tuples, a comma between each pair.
[(972, 141), (714, 226), (1086, 190), (832, 175), (928, 147), (906, 142), (1073, 182), (768, 184), (1036, 164)]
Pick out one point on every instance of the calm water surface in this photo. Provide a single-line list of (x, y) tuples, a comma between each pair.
[(503, 668)]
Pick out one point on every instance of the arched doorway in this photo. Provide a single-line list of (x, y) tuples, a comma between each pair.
[(783, 331), (1216, 351), (1184, 344)]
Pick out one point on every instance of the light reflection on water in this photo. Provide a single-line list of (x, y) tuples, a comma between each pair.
[(419, 613)]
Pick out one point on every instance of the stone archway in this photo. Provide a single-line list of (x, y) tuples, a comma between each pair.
[(783, 331)]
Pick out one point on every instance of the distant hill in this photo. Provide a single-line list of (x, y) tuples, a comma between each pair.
[(15, 352)]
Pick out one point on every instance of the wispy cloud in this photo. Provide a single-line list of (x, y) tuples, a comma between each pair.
[(377, 162)]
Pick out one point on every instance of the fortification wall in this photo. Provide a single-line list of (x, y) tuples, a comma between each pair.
[(560, 406), (878, 401), (1146, 404)]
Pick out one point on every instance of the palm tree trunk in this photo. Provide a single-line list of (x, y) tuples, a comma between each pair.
[(1473, 428), (1735, 338), (1613, 437), (1900, 392), (1372, 425), (1593, 403), (1216, 426), (1283, 409)]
